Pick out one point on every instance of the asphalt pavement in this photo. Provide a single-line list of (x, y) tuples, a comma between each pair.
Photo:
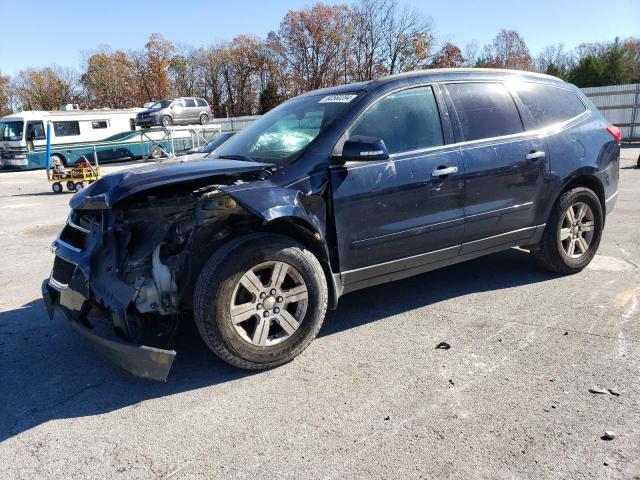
[(372, 397)]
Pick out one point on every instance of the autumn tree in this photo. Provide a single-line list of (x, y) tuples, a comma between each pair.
[(309, 45), (110, 80), (507, 50), (449, 56), (152, 67), (45, 89)]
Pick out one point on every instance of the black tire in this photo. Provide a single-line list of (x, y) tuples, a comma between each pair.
[(56, 187), (71, 186), (166, 121), (204, 118), (549, 253), (155, 152), (214, 293)]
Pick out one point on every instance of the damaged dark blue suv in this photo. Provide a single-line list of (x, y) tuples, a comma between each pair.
[(330, 192)]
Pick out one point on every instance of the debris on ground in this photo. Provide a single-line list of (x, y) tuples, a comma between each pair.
[(443, 346), (451, 382), (598, 390), (615, 391), (387, 417), (608, 435)]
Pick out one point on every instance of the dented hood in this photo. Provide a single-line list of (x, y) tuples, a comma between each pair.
[(114, 187)]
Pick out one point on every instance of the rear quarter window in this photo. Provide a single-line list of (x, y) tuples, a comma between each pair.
[(201, 103), (485, 110), (548, 105)]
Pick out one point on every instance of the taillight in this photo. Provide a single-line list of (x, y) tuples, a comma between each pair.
[(615, 132)]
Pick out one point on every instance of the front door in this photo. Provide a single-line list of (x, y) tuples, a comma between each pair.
[(504, 168), (402, 213)]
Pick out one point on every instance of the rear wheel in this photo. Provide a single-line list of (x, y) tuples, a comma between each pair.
[(572, 235), (260, 300), (79, 186), (56, 187), (155, 152), (71, 186), (204, 119)]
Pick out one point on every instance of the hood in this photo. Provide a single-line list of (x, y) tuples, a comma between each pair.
[(117, 186)]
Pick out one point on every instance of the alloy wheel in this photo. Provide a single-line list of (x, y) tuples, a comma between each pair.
[(577, 231), (268, 303)]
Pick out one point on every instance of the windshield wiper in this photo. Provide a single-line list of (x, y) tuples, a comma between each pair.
[(237, 157)]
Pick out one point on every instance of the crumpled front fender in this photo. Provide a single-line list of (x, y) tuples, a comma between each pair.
[(271, 203)]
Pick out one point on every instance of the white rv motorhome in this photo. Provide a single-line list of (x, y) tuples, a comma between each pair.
[(111, 134)]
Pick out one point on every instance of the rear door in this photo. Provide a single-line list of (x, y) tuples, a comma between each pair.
[(191, 110), (504, 179), (178, 111), (399, 214)]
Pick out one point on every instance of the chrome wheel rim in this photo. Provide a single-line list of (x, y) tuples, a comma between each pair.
[(268, 303), (577, 231)]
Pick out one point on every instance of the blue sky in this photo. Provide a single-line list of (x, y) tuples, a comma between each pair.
[(37, 33)]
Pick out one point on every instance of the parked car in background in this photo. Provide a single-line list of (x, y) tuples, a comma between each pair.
[(334, 191), (178, 111), (213, 144)]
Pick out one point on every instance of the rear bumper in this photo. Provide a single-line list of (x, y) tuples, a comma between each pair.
[(138, 360)]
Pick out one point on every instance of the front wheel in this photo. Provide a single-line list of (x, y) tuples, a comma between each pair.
[(573, 232), (260, 300), (56, 187), (71, 186), (166, 121)]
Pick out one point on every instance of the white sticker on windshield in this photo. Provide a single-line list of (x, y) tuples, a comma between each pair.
[(345, 98)]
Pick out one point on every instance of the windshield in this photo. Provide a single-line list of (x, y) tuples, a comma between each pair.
[(11, 131), (160, 104), (216, 142), (280, 135)]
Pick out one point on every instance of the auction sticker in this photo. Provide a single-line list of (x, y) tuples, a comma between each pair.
[(345, 98)]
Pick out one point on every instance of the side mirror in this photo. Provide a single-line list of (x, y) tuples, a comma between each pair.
[(362, 148)]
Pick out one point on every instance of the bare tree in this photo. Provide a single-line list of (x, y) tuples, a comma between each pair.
[(508, 50), (470, 53), (554, 60), (5, 96), (408, 37)]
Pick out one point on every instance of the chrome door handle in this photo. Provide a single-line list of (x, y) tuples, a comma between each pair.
[(442, 172), (535, 155)]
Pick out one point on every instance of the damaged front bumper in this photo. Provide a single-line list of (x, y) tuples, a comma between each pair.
[(69, 291), (138, 360)]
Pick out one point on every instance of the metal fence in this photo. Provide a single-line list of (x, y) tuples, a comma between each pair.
[(235, 123), (620, 104)]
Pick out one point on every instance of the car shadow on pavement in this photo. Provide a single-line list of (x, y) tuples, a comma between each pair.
[(48, 372)]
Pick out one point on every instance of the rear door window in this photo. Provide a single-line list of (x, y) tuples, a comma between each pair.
[(189, 102), (485, 110), (406, 120), (548, 105)]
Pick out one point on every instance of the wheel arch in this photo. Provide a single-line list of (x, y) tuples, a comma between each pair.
[(586, 179), (302, 231)]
